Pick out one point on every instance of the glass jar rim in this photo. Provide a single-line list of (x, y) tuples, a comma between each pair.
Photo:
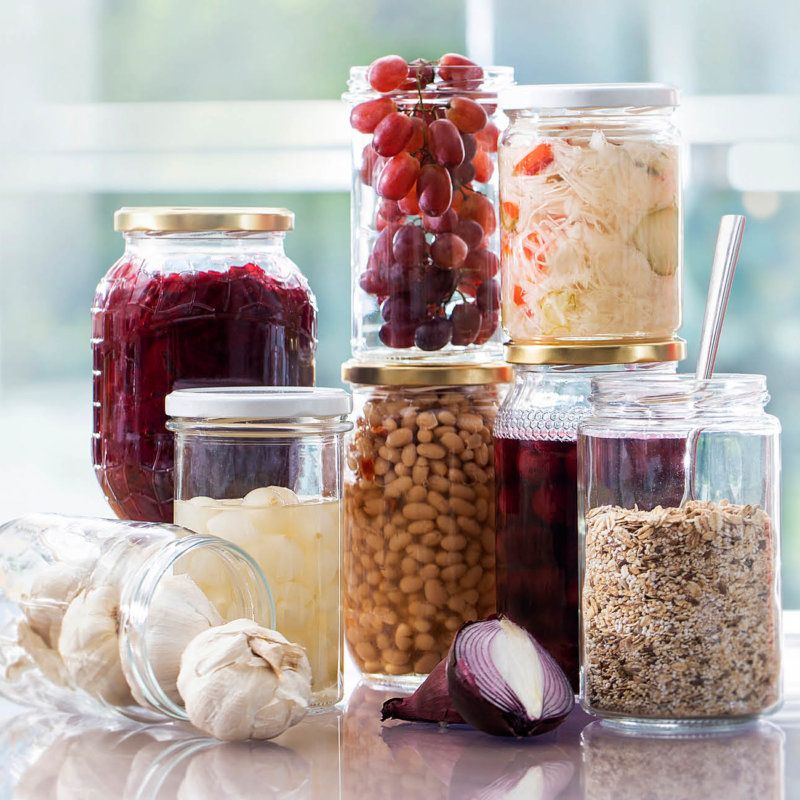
[(259, 403), (197, 219), (492, 80), (633, 96), (621, 394), (139, 591)]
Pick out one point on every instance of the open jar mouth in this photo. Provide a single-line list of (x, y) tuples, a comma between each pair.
[(462, 82), (250, 596), (677, 396)]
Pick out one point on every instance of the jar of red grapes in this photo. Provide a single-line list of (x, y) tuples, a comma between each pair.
[(419, 517), (200, 297), (679, 515), (535, 437), (590, 213), (425, 243)]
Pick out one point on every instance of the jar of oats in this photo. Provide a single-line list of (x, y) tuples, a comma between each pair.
[(419, 511), (679, 520)]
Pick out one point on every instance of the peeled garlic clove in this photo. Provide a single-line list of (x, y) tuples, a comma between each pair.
[(241, 681), (50, 592), (88, 644), (178, 612), (271, 496)]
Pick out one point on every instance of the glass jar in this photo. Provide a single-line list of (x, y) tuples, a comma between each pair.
[(425, 247), (590, 199), (201, 297), (64, 579), (263, 469), (535, 436), (679, 520), (419, 512)]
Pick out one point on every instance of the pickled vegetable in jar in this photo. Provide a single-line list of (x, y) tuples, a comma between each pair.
[(425, 246), (262, 468), (201, 297), (419, 512), (590, 213)]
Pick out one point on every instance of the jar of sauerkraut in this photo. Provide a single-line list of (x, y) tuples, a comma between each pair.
[(590, 214)]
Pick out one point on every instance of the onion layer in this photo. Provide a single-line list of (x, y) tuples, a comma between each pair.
[(503, 682), (429, 703)]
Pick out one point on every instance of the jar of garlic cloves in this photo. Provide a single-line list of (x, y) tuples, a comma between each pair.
[(262, 467), (419, 502), (95, 614)]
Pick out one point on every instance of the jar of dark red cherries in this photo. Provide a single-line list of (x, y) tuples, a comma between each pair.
[(425, 246), (200, 297), (535, 436)]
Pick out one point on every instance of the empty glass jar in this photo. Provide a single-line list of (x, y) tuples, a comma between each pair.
[(679, 518)]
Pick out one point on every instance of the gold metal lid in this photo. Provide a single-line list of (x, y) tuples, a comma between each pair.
[(388, 374), (595, 353), (191, 219)]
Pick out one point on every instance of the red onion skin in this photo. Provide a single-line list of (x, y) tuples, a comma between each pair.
[(482, 714), (429, 703)]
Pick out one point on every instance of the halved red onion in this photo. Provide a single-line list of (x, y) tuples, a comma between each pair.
[(502, 681), (429, 703)]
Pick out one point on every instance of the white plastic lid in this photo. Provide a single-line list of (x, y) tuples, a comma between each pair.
[(258, 402), (588, 95)]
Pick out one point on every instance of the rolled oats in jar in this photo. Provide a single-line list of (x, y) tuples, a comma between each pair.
[(419, 511)]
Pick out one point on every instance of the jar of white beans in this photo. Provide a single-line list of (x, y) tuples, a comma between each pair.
[(419, 512)]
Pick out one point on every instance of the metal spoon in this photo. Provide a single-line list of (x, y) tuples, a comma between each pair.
[(726, 253)]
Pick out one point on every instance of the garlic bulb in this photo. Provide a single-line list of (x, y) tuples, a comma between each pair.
[(179, 611), (88, 644), (241, 681), (46, 599), (37, 654)]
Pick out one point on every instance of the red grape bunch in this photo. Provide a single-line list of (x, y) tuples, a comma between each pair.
[(432, 144)]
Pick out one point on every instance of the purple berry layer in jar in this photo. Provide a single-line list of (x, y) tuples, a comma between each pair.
[(153, 332)]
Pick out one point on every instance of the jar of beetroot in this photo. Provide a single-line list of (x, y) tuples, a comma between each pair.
[(425, 244), (201, 297), (535, 439)]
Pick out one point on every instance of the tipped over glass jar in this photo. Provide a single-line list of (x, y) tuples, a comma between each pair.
[(95, 614), (201, 297), (425, 249), (590, 213), (262, 467), (679, 503)]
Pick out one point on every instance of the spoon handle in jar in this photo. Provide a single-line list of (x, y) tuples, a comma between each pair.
[(726, 252)]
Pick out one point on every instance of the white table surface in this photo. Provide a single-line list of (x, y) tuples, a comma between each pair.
[(348, 753)]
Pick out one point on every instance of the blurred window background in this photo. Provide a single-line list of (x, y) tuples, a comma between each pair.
[(235, 102)]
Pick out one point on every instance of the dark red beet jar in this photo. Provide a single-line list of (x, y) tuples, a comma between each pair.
[(536, 552), (201, 297)]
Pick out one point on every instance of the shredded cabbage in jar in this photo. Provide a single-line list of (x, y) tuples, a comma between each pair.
[(590, 238)]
